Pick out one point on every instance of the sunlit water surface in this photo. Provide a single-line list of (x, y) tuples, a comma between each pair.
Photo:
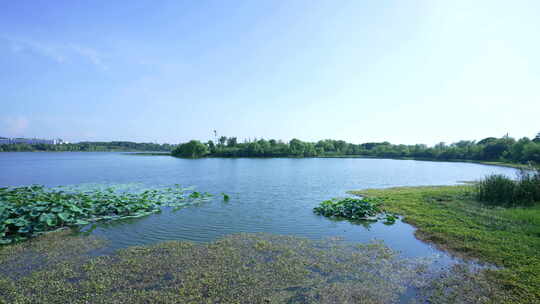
[(267, 195)]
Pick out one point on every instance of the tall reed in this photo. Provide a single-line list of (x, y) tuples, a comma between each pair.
[(500, 190)]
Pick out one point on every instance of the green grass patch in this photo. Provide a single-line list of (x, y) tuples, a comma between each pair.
[(450, 217)]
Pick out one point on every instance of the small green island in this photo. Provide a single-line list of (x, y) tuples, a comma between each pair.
[(504, 151)]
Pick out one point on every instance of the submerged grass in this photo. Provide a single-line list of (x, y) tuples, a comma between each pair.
[(451, 218), (22, 259), (242, 268)]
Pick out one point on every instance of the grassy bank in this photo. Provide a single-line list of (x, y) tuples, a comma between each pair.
[(449, 217)]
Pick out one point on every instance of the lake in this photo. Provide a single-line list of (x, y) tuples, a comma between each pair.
[(267, 195)]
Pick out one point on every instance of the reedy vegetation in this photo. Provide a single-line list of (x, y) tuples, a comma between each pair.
[(505, 149), (500, 190)]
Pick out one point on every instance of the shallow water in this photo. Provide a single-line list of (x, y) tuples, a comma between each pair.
[(267, 195)]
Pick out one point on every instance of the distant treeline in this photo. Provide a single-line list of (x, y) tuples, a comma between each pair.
[(88, 147), (505, 149)]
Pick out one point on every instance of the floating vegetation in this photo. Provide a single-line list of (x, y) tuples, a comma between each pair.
[(45, 251), (29, 211), (355, 209), (240, 268)]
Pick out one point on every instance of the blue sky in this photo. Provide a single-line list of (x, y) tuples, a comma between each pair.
[(168, 71)]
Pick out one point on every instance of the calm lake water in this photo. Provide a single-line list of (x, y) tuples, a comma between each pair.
[(267, 195)]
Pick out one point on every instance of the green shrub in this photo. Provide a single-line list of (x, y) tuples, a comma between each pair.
[(528, 187), (192, 149), (496, 189), (500, 190)]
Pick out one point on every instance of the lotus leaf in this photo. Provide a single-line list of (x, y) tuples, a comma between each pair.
[(32, 210), (355, 209)]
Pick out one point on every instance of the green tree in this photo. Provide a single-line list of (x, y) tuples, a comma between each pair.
[(254, 149), (266, 147), (517, 150), (211, 146), (487, 140), (296, 147), (231, 142), (498, 148), (537, 138), (341, 146), (191, 149), (326, 145), (531, 152), (309, 150)]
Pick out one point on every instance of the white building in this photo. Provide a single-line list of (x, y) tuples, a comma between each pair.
[(30, 141)]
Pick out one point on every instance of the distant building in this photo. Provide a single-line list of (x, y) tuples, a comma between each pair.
[(30, 141)]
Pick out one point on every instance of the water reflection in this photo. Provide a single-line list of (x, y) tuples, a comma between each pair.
[(266, 195)]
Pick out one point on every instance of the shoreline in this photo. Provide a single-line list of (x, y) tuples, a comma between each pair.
[(488, 163), (165, 153), (158, 153), (449, 218), (445, 216)]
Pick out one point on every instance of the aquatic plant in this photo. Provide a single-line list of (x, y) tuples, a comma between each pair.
[(496, 189), (355, 209), (29, 211), (241, 268), (450, 217), (500, 190)]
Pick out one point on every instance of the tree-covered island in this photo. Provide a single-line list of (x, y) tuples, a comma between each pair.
[(491, 149)]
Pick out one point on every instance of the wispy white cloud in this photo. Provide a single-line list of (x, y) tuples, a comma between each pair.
[(16, 47), (58, 52), (14, 126), (91, 54), (46, 50)]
